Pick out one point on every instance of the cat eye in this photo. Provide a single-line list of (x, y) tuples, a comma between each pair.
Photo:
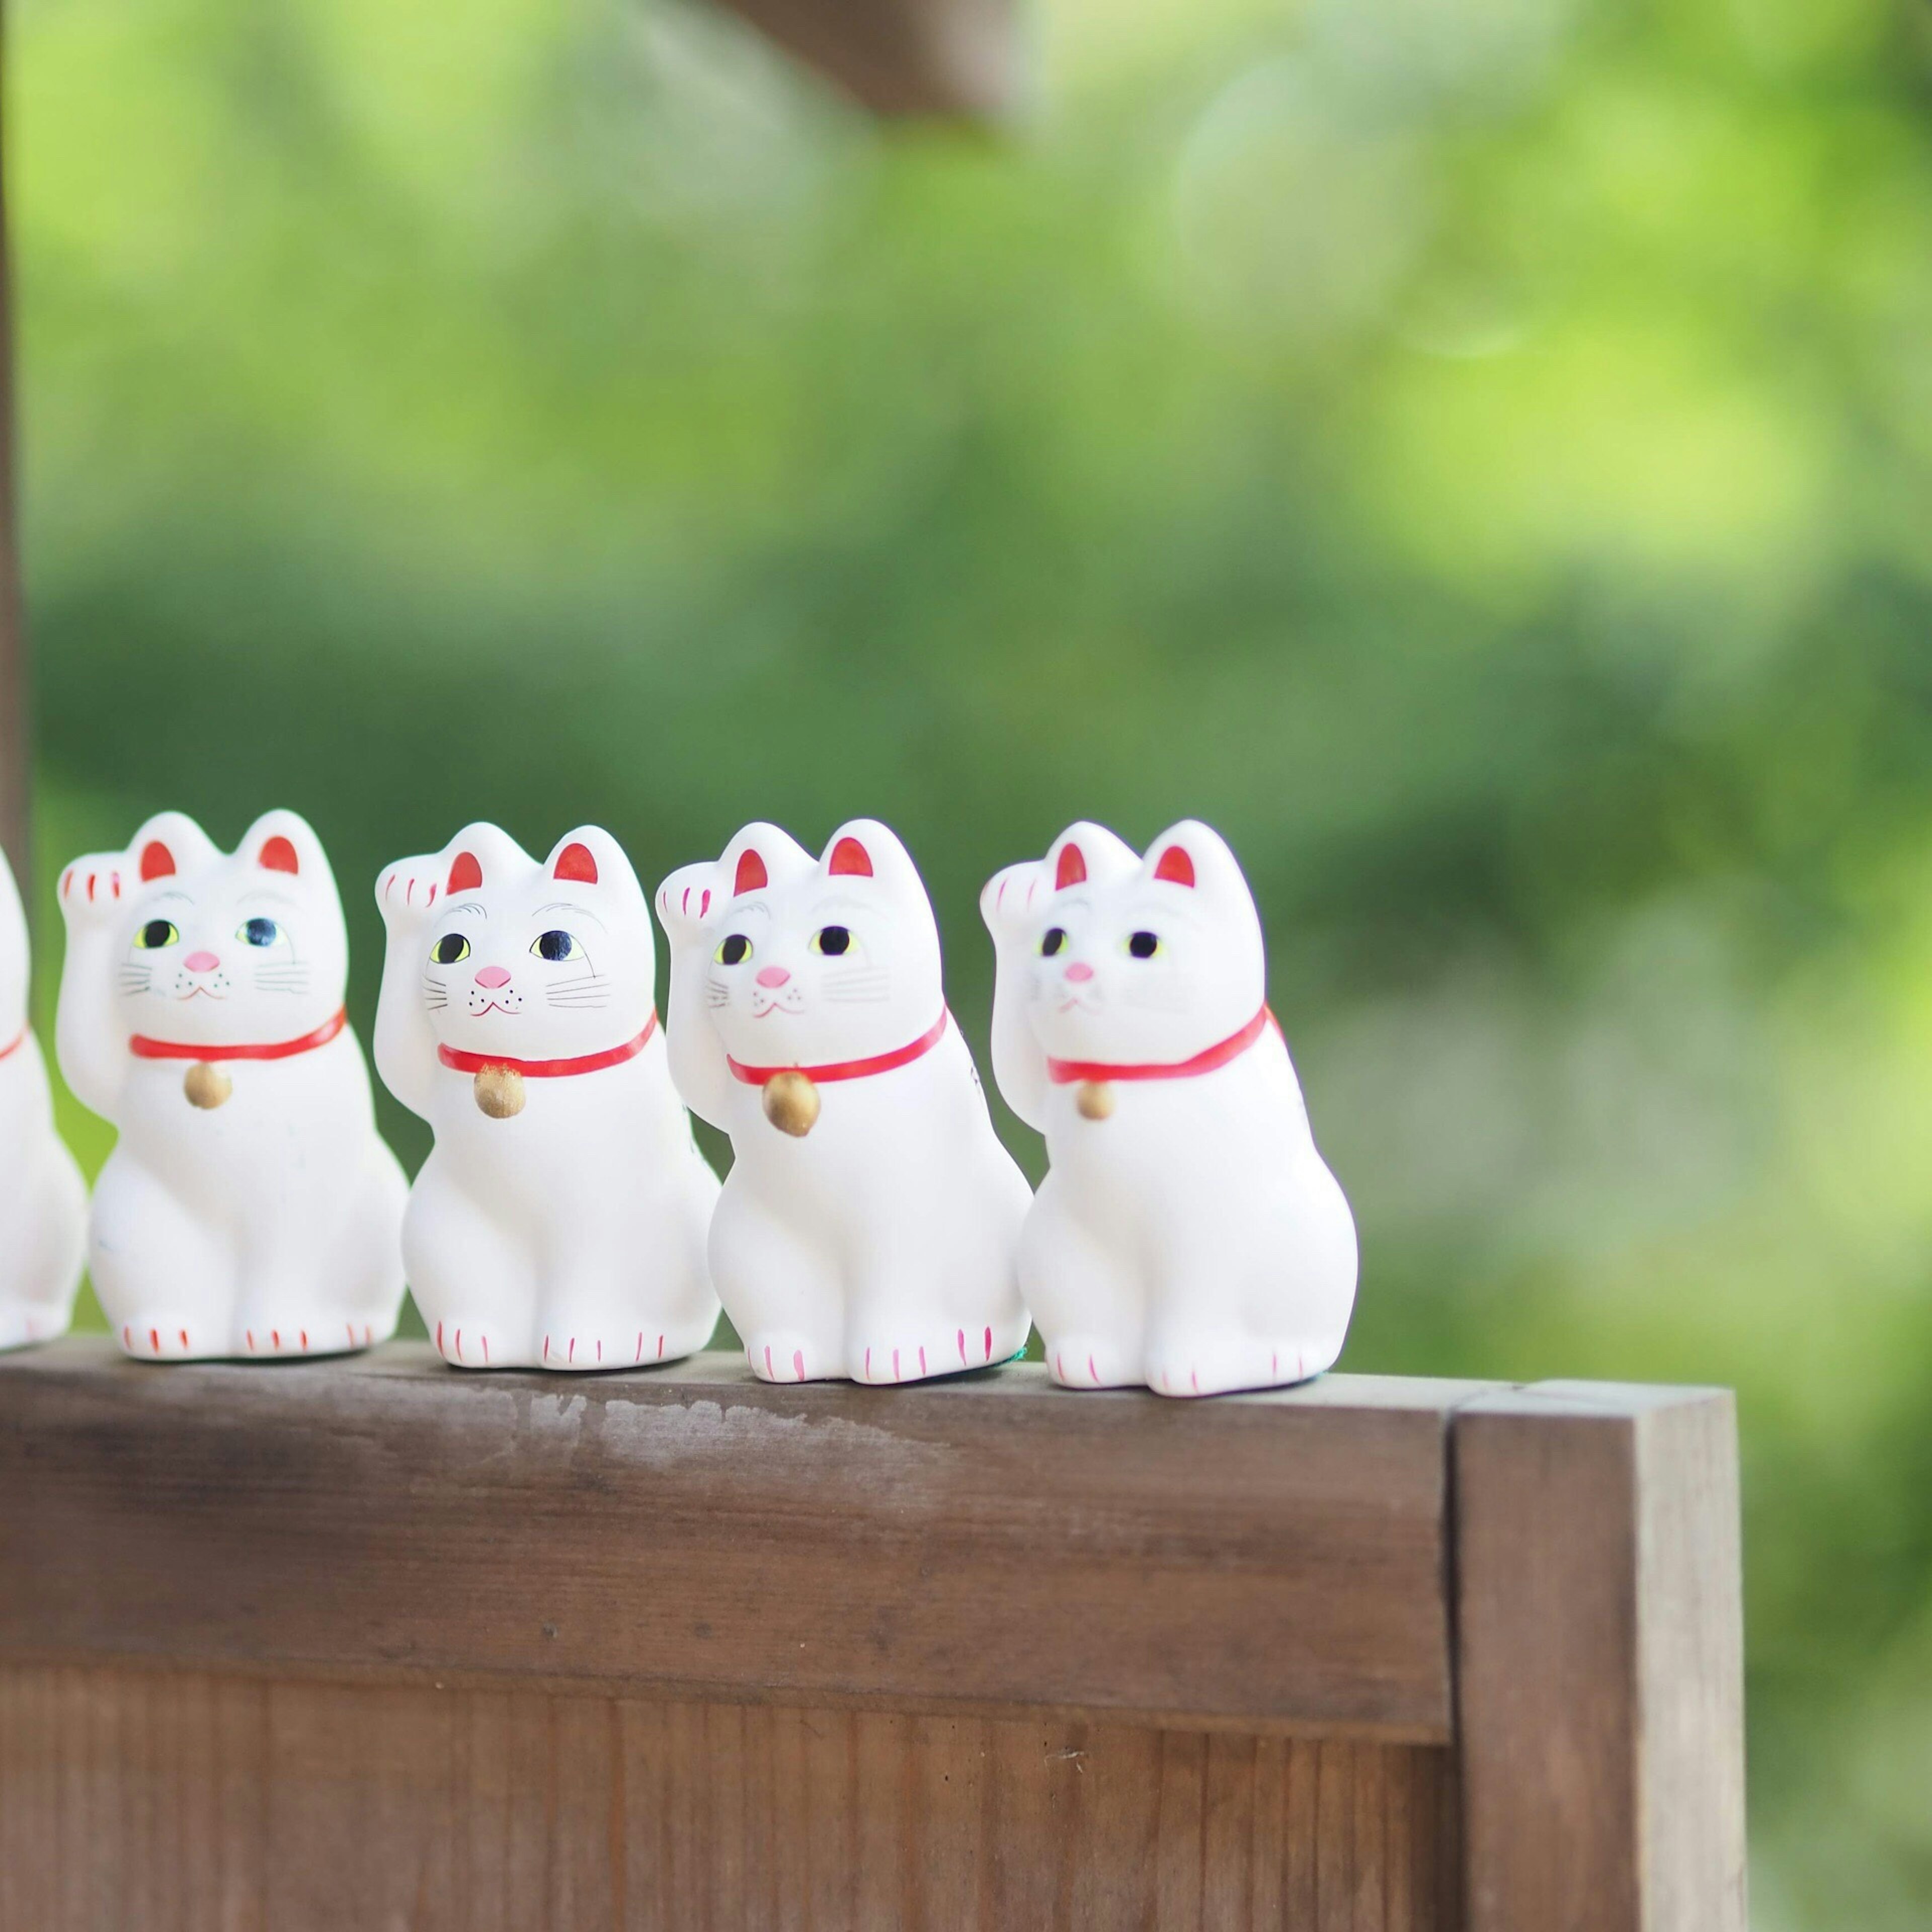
[(158, 932), (1056, 938), (449, 949), (832, 941), (1144, 945), (259, 932), (733, 950), (555, 946)]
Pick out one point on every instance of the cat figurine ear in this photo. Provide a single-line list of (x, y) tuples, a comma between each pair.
[(249, 1207), (43, 1200), (560, 1221), (1190, 1238), (869, 1225)]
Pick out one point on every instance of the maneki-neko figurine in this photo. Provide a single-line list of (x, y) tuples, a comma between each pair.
[(249, 1208), (869, 1226), (1188, 1235), (560, 1221)]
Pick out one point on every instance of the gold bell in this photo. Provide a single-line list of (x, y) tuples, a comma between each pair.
[(1095, 1099), (499, 1091), (791, 1102), (206, 1086)]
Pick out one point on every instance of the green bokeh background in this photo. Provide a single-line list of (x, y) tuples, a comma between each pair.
[(1477, 453)]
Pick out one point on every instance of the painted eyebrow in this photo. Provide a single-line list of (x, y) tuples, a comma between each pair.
[(468, 905), (272, 896), (161, 898), (567, 905), (842, 903)]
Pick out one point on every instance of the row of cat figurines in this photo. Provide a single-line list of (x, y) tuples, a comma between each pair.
[(1187, 1237)]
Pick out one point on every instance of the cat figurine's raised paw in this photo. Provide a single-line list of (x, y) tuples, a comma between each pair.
[(1188, 1236), (249, 1208), (870, 1224), (560, 1221), (43, 1200)]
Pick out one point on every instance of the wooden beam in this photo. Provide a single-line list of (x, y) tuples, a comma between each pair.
[(987, 1544), (176, 1801), (14, 706), (1600, 1660), (947, 58)]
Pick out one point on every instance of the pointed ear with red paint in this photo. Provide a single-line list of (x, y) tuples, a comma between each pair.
[(285, 842), (863, 848), (761, 855), (170, 845), (1086, 852), (1194, 858), (589, 856)]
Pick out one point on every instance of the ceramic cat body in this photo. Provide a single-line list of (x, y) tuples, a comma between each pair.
[(566, 1227), (1188, 1235), (249, 1206), (43, 1200), (870, 1225)]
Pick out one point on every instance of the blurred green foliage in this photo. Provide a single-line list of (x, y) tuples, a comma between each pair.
[(1478, 453)]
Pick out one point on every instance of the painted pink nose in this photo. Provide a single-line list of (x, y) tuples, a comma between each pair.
[(201, 962), (773, 976), (1079, 972), (492, 976)]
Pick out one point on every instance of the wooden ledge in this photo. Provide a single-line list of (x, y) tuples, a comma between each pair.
[(987, 1544)]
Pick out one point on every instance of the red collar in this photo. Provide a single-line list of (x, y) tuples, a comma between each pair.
[(12, 1043), (1062, 1072), (849, 1069), (280, 1049), (551, 1070)]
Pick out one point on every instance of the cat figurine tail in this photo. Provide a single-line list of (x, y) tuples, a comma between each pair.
[(249, 1208), (870, 1226), (42, 1199), (559, 1221), (1188, 1236)]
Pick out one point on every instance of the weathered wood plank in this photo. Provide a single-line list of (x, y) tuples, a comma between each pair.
[(182, 1801), (985, 1544), (1600, 1660)]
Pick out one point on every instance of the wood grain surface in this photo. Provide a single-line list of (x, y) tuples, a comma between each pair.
[(133, 1801), (988, 1543), (1600, 1660)]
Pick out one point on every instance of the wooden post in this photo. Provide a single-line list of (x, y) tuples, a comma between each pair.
[(370, 1641), (14, 735), (1600, 1660)]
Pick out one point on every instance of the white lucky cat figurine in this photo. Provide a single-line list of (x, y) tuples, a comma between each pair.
[(249, 1208), (1188, 1235), (869, 1225), (43, 1200), (559, 1221)]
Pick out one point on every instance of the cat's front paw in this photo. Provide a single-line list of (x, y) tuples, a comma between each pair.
[(408, 893), (1006, 903), (1092, 1361), (685, 901), (583, 1350), (470, 1344), (92, 889), (777, 1357), (155, 1337), (911, 1358)]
